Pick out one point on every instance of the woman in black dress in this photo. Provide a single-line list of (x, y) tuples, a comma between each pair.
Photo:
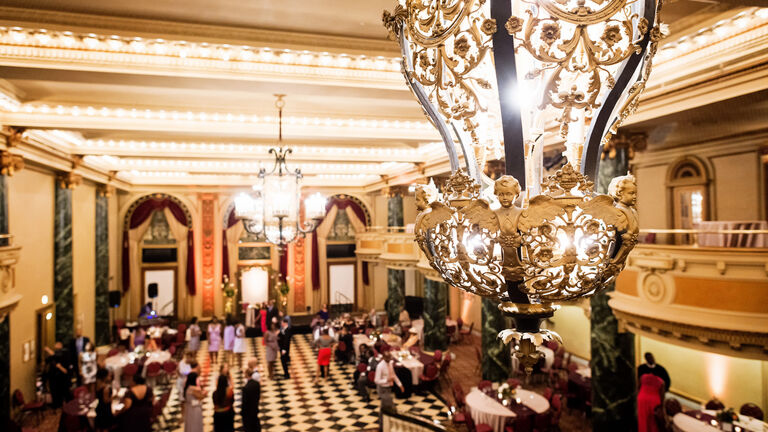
[(105, 421), (137, 414), (223, 410)]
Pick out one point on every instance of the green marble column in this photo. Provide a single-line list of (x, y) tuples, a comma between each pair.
[(613, 353), (496, 355), (395, 278), (62, 263), (396, 294), (5, 334), (395, 211), (101, 299), (435, 309)]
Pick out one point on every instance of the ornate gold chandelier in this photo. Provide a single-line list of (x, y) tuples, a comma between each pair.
[(492, 75), (274, 209)]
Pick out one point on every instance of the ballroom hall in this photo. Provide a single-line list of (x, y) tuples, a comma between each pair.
[(384, 215)]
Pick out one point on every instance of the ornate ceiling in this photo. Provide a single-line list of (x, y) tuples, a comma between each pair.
[(180, 93)]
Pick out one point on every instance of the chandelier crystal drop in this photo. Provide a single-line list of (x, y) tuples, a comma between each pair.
[(492, 75), (273, 209)]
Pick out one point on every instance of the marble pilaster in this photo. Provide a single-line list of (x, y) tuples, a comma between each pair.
[(496, 355), (613, 353), (395, 294), (435, 309), (395, 211), (101, 299), (62, 264), (5, 334)]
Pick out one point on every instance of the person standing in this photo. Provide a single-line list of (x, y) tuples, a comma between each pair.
[(240, 342), (223, 406), (648, 398), (229, 339), (193, 407), (324, 350), (105, 421), (251, 394), (88, 366), (137, 413), (193, 343), (58, 374), (186, 365), (77, 347), (651, 367), (214, 339), (284, 342), (385, 377), (272, 312), (270, 341)]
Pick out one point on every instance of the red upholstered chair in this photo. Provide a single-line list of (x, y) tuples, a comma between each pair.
[(129, 371), (25, 408), (458, 395), (479, 427), (450, 332), (572, 367), (154, 370), (459, 324), (80, 393), (113, 352), (548, 394), (371, 379), (386, 330), (557, 409), (438, 356), (541, 422), (484, 385), (415, 350), (362, 367), (751, 410), (513, 382), (466, 332), (714, 404), (671, 407), (430, 375)]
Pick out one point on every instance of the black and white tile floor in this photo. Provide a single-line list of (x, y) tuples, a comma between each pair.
[(296, 404)]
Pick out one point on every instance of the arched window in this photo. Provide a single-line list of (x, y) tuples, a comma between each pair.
[(688, 182)]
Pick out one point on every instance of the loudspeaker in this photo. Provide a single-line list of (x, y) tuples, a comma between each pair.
[(114, 299), (152, 290)]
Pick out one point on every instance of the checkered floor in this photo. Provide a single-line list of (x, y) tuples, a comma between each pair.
[(296, 404)]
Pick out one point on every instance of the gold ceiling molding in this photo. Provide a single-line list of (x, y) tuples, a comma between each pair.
[(20, 46), (222, 34), (137, 118)]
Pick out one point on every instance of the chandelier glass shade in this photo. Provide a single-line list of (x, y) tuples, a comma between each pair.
[(494, 77), (274, 209)]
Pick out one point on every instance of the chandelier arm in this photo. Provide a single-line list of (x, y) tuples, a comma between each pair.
[(309, 227), (421, 95), (506, 77), (469, 157), (601, 124)]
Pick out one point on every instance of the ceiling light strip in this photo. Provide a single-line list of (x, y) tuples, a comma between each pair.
[(101, 47)]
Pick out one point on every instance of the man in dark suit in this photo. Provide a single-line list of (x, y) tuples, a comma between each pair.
[(76, 347), (249, 408), (284, 342), (272, 313)]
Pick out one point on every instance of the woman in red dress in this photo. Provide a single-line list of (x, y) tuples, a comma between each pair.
[(648, 398), (263, 318), (325, 347)]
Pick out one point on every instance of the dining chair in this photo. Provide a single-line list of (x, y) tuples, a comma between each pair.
[(557, 409), (751, 410), (714, 404), (458, 395), (24, 408), (472, 427), (467, 332), (484, 385)]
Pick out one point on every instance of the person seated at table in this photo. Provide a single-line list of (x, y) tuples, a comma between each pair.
[(413, 339), (137, 412), (405, 319), (146, 310), (138, 338), (324, 312), (346, 354), (105, 420)]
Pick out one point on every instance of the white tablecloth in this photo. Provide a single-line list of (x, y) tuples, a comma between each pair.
[(331, 333), (415, 366), (549, 358), (418, 325), (116, 363), (485, 409), (585, 372), (685, 423)]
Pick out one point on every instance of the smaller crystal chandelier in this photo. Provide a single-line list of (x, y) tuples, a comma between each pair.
[(274, 209)]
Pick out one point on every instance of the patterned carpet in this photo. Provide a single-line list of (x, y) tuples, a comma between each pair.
[(296, 404)]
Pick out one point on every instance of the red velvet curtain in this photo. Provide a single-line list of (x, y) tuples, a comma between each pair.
[(142, 212), (342, 205), (231, 221)]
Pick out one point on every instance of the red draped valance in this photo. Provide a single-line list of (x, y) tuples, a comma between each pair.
[(140, 214), (231, 221)]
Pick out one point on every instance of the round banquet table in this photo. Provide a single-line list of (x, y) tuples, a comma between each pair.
[(699, 421), (416, 367), (485, 409), (116, 363), (316, 333)]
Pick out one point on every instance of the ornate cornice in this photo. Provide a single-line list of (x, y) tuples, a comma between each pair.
[(728, 342), (221, 34)]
